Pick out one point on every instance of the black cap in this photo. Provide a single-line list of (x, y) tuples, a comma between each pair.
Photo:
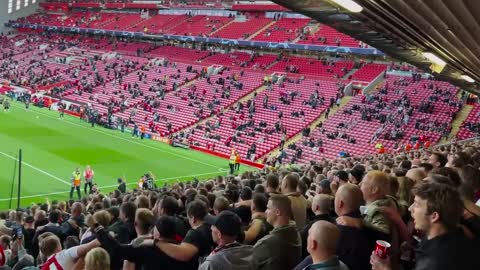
[(342, 175), (227, 222)]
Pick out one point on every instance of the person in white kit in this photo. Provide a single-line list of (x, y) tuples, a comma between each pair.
[(62, 259)]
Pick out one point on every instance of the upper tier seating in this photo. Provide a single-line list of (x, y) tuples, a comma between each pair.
[(471, 126), (199, 25), (311, 66), (368, 72), (283, 30), (331, 37), (242, 30)]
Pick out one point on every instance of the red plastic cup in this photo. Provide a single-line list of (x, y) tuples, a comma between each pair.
[(382, 249)]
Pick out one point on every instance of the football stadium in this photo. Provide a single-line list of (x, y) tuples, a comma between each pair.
[(269, 135)]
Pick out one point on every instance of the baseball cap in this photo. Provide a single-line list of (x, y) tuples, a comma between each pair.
[(227, 222), (342, 175)]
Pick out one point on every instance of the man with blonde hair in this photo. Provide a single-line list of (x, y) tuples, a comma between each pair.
[(416, 174), (375, 187), (59, 259)]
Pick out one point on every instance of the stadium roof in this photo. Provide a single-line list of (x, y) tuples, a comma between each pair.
[(405, 29)]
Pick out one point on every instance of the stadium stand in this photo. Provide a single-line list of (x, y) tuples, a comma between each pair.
[(470, 127), (350, 178)]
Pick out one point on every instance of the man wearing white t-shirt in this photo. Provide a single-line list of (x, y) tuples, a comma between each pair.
[(59, 259)]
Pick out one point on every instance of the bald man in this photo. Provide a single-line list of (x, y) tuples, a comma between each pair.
[(416, 174), (322, 242), (354, 244), (322, 208), (375, 188)]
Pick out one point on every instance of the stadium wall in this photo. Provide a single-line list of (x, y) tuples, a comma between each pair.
[(22, 12)]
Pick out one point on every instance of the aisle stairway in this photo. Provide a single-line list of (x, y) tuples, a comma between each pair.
[(261, 30), (243, 100), (299, 136), (457, 122)]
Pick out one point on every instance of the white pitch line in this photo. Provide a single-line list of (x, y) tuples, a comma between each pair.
[(121, 138), (109, 186), (37, 169)]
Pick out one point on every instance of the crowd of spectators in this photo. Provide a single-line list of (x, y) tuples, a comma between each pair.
[(325, 215)]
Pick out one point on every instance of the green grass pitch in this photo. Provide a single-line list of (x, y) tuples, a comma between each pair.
[(53, 148)]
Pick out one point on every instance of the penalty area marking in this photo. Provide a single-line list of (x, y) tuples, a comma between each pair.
[(109, 186)]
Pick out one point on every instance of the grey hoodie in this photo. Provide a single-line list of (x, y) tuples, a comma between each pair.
[(231, 258)]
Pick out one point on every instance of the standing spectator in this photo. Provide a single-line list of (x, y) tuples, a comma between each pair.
[(144, 221), (437, 160), (198, 242), (322, 242), (168, 206), (281, 249), (58, 258), (97, 259), (436, 211), (229, 254), (321, 207), (124, 229), (299, 203), (259, 227)]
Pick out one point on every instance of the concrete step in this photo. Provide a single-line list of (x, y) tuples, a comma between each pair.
[(457, 122)]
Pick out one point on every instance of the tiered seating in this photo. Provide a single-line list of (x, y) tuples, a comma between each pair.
[(285, 29), (473, 119), (185, 111), (331, 37), (129, 48), (363, 131), (199, 25), (104, 94), (178, 54), (368, 72), (242, 30), (241, 60), (314, 67), (293, 125), (123, 22), (158, 24)]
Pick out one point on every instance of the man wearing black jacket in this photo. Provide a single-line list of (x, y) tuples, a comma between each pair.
[(124, 228), (321, 207), (147, 256)]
